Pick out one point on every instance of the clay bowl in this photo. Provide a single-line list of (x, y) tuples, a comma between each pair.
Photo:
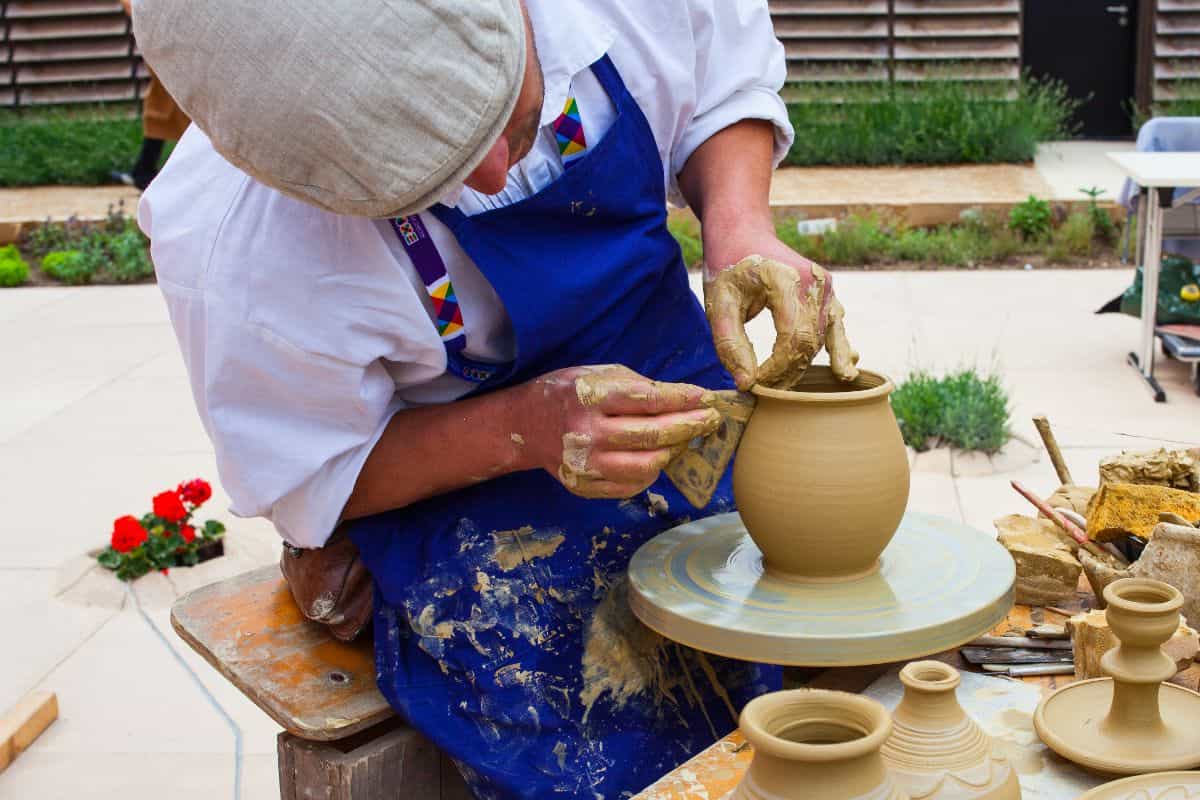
[(821, 478), (814, 744)]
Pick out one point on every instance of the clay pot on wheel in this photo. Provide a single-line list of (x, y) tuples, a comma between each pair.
[(811, 744), (937, 752), (821, 478)]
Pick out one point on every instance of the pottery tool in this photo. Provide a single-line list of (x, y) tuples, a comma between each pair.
[(1056, 457), (1028, 670), (1048, 632), (939, 583), (1008, 655), (1020, 641), (1073, 530), (698, 469)]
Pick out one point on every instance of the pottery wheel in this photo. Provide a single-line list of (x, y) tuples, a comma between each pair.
[(939, 585), (1067, 721)]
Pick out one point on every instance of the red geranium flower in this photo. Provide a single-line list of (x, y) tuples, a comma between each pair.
[(127, 534), (188, 533), (195, 492), (168, 506)]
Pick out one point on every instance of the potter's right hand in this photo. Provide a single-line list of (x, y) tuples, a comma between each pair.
[(606, 431)]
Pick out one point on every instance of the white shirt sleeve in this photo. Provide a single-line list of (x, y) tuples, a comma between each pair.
[(740, 68), (298, 328)]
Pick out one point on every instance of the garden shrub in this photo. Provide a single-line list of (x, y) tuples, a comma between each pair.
[(1075, 238), (14, 271), (60, 146), (69, 266), (128, 262), (960, 409), (1031, 218), (933, 122)]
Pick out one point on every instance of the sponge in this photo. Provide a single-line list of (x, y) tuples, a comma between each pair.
[(1125, 508)]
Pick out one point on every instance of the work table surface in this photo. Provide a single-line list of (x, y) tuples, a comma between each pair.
[(716, 771)]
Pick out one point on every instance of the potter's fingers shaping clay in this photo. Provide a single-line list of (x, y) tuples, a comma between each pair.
[(728, 300), (652, 433), (797, 312), (629, 467), (843, 358), (631, 394)]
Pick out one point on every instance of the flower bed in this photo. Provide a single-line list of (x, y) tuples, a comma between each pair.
[(165, 537)]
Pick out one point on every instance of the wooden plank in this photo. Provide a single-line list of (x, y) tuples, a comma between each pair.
[(836, 72), (24, 9), (989, 26), (1177, 46), (959, 71), (53, 52), (827, 7), (1169, 24), (836, 50), (75, 72), (1176, 69), (831, 28), (94, 93), (962, 7), (24, 723), (251, 631), (957, 49), (67, 28), (388, 761)]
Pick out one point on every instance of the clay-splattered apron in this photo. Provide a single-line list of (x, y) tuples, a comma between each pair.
[(502, 625)]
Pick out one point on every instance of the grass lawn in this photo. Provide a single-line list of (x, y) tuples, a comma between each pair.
[(74, 147)]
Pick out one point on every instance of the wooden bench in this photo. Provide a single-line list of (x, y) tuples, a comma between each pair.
[(341, 740)]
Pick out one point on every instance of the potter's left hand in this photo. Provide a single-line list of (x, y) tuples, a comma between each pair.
[(807, 316)]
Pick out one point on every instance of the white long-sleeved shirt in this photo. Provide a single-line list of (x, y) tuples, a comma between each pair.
[(304, 331)]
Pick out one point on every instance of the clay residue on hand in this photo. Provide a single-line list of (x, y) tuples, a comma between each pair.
[(622, 658), (520, 546), (806, 318)]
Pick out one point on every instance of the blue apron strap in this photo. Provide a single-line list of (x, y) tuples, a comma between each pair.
[(448, 318)]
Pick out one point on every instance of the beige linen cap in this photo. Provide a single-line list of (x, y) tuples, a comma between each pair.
[(367, 107)]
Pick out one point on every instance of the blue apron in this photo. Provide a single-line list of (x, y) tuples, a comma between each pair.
[(502, 627)]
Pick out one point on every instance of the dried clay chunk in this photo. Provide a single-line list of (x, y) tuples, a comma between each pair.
[(1047, 570), (1125, 508), (1075, 498), (1178, 469)]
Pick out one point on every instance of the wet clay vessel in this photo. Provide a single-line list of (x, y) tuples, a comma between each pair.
[(811, 744), (937, 752), (821, 477), (1157, 786), (1130, 722)]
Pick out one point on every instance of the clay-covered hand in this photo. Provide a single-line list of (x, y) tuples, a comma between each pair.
[(606, 431), (807, 317)]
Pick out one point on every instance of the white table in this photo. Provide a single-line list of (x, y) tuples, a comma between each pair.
[(1158, 175)]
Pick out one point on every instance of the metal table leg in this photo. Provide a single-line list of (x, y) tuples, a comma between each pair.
[(1151, 202)]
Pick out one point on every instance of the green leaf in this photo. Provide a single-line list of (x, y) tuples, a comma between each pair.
[(109, 558)]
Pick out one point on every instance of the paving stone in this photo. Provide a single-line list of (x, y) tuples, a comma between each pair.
[(38, 632), (124, 691), (934, 493), (95, 587), (970, 464), (154, 590), (937, 461), (1017, 454)]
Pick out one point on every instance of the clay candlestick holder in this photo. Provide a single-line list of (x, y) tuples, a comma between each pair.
[(937, 752), (812, 744), (821, 477), (1130, 722)]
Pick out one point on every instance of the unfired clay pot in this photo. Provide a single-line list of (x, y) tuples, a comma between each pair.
[(937, 752), (821, 478), (812, 744)]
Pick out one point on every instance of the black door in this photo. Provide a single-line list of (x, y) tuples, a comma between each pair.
[(1088, 45)]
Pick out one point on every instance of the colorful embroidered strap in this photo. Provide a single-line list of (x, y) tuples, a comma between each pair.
[(568, 131), (447, 314)]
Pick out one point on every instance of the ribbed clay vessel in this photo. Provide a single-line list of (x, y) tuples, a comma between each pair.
[(812, 744), (937, 752), (821, 478)]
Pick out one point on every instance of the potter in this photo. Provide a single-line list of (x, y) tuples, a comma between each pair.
[(423, 284), (821, 478)]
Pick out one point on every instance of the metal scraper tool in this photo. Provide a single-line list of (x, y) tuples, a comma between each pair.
[(698, 469)]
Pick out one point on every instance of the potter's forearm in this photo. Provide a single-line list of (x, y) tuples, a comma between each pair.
[(727, 183), (429, 451)]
